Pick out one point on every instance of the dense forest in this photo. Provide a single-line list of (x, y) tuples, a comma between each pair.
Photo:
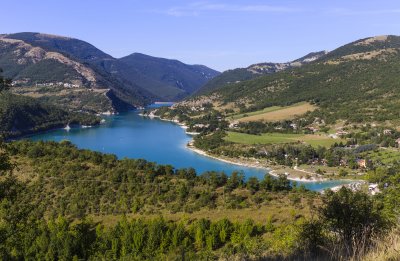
[(51, 194)]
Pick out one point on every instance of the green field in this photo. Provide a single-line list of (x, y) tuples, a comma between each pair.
[(275, 138)]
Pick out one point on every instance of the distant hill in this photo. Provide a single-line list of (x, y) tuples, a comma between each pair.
[(358, 82), (169, 79), (35, 58), (255, 71)]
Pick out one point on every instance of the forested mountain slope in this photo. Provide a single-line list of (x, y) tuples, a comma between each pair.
[(357, 82)]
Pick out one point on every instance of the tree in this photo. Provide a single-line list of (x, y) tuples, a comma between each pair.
[(4, 82), (311, 236), (353, 217), (343, 173), (12, 215), (253, 184), (236, 180), (6, 166), (282, 183)]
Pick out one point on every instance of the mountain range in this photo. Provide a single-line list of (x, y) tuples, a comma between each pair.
[(54, 65), (358, 81)]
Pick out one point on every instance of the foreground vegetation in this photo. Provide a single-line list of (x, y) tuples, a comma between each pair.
[(50, 201)]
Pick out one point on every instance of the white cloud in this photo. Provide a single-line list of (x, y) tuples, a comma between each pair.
[(195, 9)]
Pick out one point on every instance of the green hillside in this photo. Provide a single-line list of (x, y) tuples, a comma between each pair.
[(357, 82), (21, 115)]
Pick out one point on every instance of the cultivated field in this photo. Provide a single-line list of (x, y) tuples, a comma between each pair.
[(274, 138), (275, 113)]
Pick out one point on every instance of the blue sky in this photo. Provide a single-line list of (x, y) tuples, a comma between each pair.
[(222, 34)]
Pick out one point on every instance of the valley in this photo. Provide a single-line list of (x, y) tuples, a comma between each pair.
[(275, 161)]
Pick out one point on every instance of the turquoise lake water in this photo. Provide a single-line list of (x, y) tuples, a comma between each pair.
[(132, 136)]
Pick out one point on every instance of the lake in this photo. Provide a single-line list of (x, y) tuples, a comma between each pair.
[(133, 136)]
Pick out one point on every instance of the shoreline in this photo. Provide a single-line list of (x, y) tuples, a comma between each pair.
[(61, 127), (269, 170), (292, 174), (182, 125)]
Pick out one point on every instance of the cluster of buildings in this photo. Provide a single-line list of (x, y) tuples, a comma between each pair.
[(64, 84), (45, 84)]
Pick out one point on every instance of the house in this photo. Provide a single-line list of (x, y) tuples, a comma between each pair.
[(234, 125), (312, 129), (373, 189), (362, 163), (387, 132), (333, 136), (343, 162), (341, 133)]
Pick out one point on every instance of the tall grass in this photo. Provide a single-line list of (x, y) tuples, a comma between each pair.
[(386, 249)]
